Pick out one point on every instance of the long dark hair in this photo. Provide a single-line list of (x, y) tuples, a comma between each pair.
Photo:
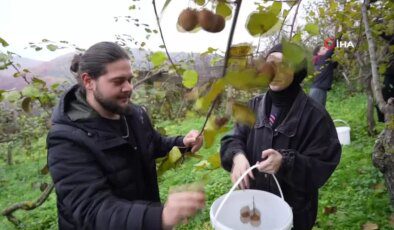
[(95, 59)]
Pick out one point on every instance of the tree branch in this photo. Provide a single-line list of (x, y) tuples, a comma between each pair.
[(376, 88), (295, 16), (162, 38), (284, 20), (226, 58), (27, 205)]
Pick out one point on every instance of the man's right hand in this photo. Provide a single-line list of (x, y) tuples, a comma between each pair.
[(180, 206), (240, 165)]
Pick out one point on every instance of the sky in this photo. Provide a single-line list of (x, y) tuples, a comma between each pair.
[(85, 22)]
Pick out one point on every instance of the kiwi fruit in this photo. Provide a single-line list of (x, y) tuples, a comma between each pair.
[(245, 214), (188, 19), (219, 24), (255, 219), (206, 19)]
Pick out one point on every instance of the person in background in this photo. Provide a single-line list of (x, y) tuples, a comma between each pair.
[(324, 72), (102, 150), (293, 137), (388, 82)]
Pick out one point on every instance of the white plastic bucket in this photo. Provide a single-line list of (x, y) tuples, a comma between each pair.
[(343, 132), (276, 214)]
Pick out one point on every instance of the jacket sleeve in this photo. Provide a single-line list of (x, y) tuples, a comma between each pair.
[(319, 153), (233, 143), (160, 144), (84, 194)]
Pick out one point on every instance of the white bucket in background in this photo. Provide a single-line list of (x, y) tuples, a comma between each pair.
[(343, 132), (276, 214)]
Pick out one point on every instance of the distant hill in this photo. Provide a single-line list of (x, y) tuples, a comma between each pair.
[(57, 69)]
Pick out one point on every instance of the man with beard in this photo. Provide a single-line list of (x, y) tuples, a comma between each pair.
[(102, 150)]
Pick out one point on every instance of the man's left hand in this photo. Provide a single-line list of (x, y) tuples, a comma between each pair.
[(192, 139), (272, 163)]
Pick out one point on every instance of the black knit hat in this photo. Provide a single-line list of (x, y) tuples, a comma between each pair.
[(301, 73)]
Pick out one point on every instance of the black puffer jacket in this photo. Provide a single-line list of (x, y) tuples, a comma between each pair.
[(324, 71), (308, 141), (102, 180)]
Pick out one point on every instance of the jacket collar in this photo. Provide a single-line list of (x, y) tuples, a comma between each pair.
[(289, 125)]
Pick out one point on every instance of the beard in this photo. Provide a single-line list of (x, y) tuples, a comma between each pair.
[(109, 104)]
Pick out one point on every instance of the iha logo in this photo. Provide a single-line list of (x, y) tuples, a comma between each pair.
[(330, 43)]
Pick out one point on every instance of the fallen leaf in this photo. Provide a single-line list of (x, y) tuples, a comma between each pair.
[(370, 226), (329, 210)]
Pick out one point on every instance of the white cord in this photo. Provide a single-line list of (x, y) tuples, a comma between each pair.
[(236, 185)]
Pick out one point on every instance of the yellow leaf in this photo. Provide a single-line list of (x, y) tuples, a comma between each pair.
[(204, 164), (214, 160), (209, 137), (247, 79), (26, 104), (242, 50), (174, 155), (204, 102), (243, 114)]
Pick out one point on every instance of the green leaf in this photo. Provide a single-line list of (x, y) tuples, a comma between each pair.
[(1, 95), (223, 9), (293, 54), (52, 47), (382, 68), (296, 38), (190, 78), (31, 91), (200, 2), (38, 81), (26, 104), (243, 114), (312, 29), (260, 23), (204, 164), (55, 86), (210, 50), (3, 42), (45, 170), (214, 160), (165, 5), (4, 57), (215, 60), (158, 58), (276, 8), (132, 7), (216, 88), (12, 96)]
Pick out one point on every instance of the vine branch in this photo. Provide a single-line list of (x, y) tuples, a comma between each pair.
[(294, 18), (162, 38), (26, 205)]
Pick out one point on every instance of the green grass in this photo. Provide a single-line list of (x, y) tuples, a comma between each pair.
[(356, 189)]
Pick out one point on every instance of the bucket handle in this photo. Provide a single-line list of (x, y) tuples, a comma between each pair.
[(339, 120), (238, 182)]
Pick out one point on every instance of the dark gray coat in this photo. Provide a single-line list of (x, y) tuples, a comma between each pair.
[(308, 141)]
